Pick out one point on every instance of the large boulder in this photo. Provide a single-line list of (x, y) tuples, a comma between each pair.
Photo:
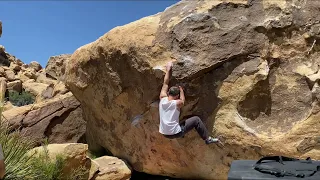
[(59, 120), (245, 66), (56, 66)]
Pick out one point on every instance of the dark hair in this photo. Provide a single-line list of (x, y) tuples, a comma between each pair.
[(174, 91)]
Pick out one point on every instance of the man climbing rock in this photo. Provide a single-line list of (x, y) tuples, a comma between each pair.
[(171, 101)]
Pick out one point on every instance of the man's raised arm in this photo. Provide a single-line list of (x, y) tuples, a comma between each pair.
[(182, 99), (165, 85)]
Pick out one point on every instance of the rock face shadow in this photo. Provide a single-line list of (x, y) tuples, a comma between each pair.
[(257, 101), (202, 92)]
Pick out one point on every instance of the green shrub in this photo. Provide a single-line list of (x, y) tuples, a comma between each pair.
[(21, 99), (15, 148), (46, 168), (52, 169)]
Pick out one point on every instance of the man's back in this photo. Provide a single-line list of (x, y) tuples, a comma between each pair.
[(169, 117)]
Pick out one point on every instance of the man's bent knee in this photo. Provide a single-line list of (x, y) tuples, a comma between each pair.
[(197, 118)]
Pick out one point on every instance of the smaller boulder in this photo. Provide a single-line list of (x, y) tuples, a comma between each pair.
[(47, 94), (15, 67), (5, 68), (60, 88), (2, 72), (25, 66), (35, 65), (111, 168), (74, 155), (41, 78), (27, 74), (56, 66), (15, 85), (19, 62), (10, 75), (94, 169), (34, 88)]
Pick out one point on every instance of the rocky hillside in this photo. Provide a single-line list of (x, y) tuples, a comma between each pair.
[(38, 103), (39, 106), (250, 70)]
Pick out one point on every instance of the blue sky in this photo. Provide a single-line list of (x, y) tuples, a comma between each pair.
[(36, 30)]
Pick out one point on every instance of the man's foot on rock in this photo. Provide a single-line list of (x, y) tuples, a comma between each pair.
[(213, 140)]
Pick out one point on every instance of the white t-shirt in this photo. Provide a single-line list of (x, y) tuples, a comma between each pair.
[(1, 153), (169, 117)]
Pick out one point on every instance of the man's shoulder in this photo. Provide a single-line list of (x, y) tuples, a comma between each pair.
[(164, 99)]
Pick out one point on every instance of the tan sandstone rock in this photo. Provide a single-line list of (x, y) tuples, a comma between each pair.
[(15, 85), (110, 168), (42, 78), (35, 65), (59, 120), (10, 75), (243, 65), (60, 88), (74, 155), (34, 88), (94, 170), (2, 72), (56, 66), (15, 67), (27, 74)]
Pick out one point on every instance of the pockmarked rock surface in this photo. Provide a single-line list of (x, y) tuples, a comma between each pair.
[(59, 120), (249, 69)]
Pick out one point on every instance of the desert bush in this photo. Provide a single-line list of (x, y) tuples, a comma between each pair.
[(21, 99), (52, 169), (46, 168), (15, 148)]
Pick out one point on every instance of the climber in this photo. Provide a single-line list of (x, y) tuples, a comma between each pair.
[(171, 100)]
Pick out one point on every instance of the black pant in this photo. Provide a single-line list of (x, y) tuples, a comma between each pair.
[(189, 124)]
